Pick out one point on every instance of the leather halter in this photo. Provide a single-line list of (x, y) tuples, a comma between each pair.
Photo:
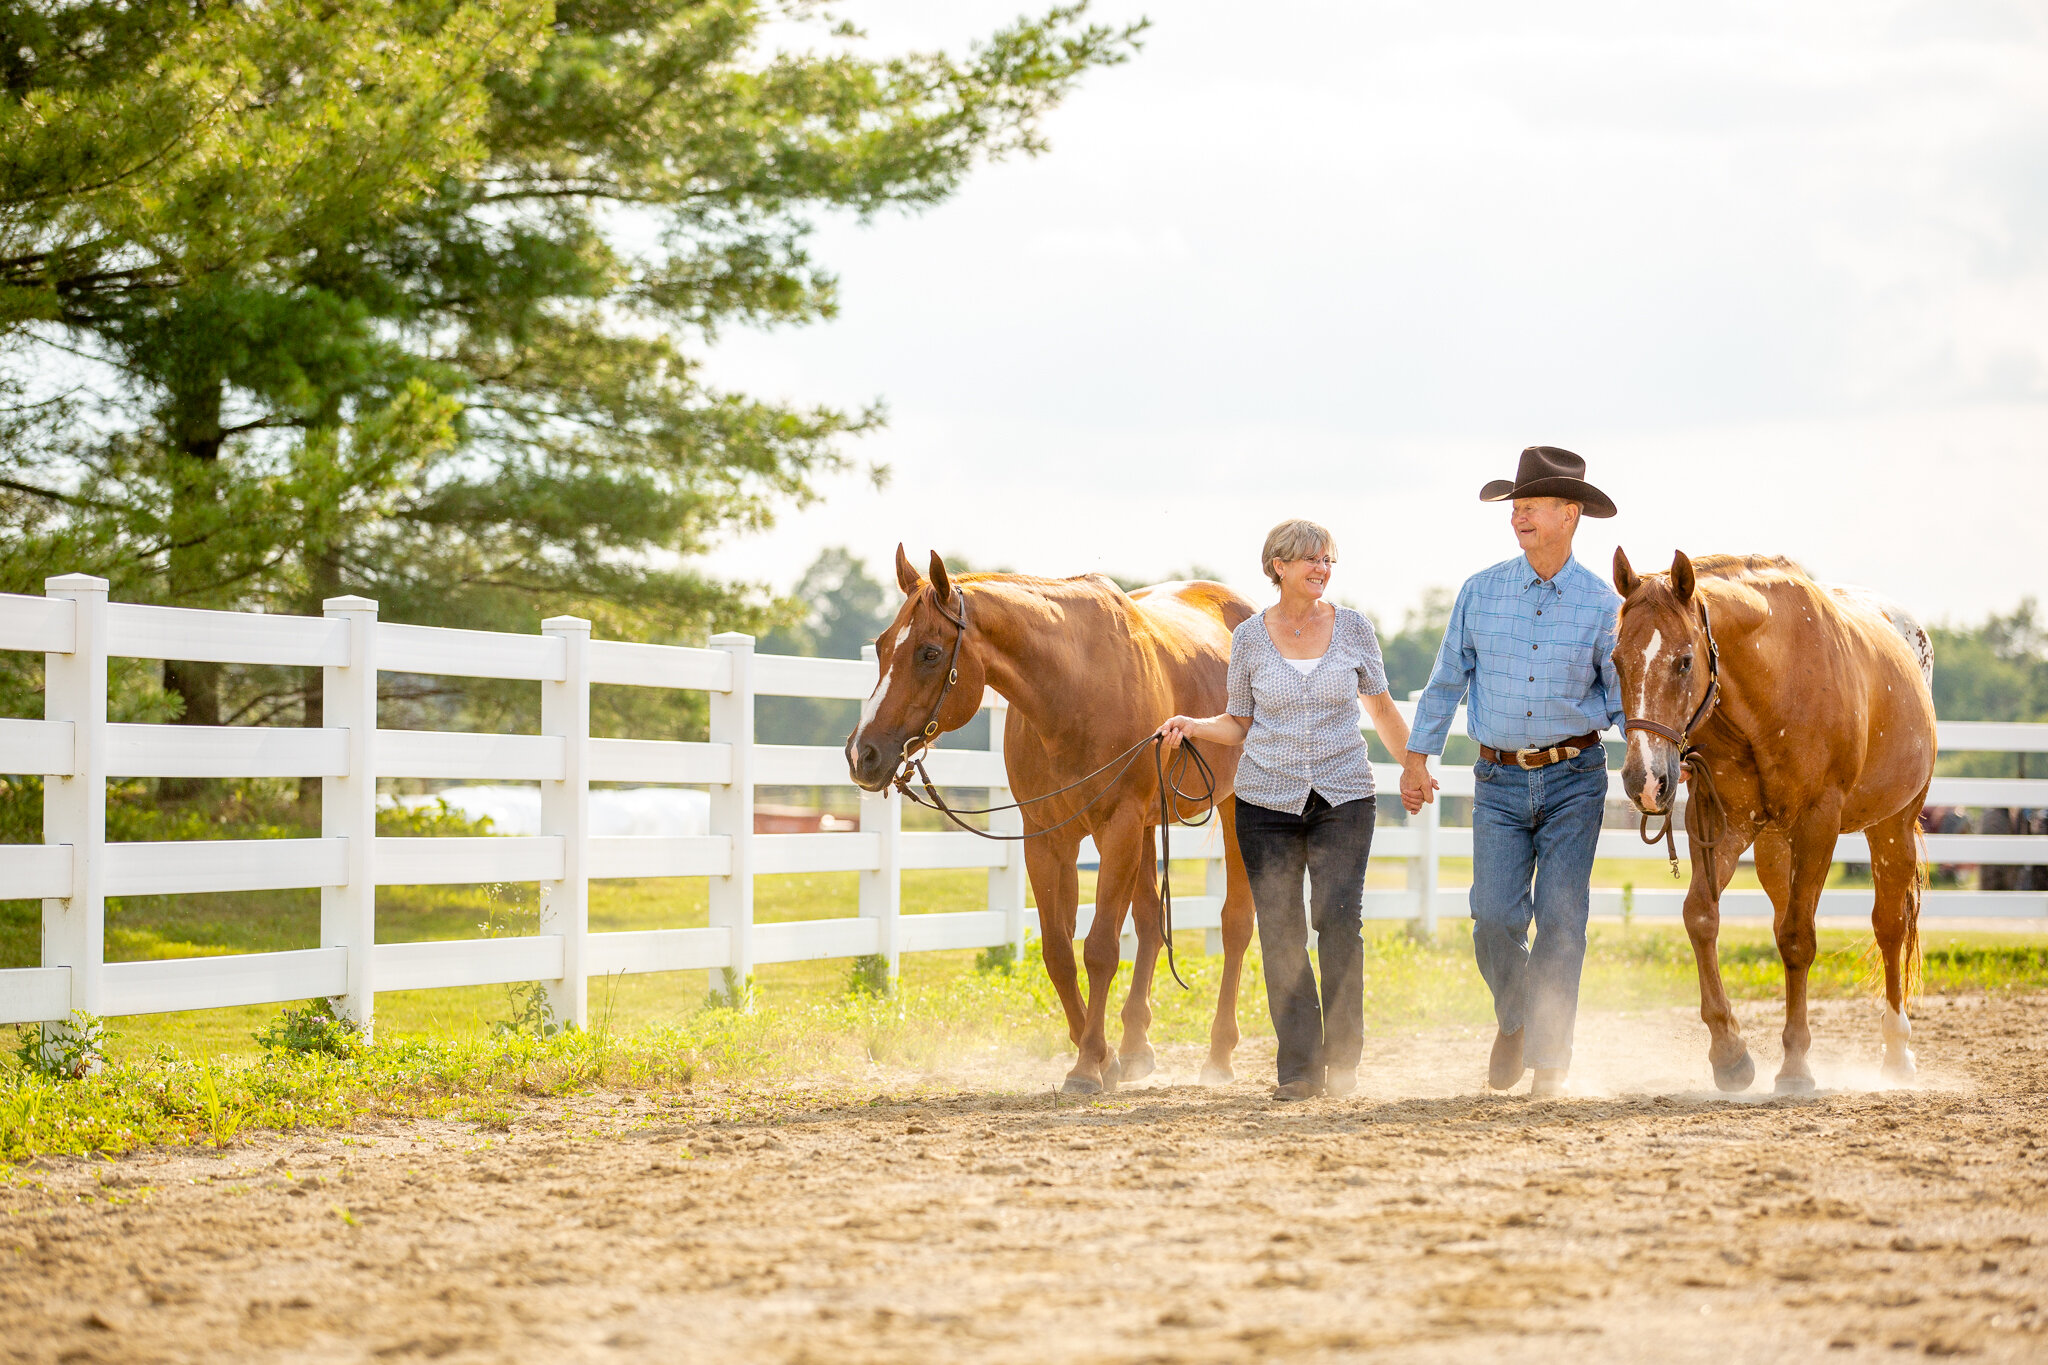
[(921, 741), (1692, 763)]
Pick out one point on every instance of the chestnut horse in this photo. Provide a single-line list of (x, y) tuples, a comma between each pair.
[(1821, 722), (1089, 672)]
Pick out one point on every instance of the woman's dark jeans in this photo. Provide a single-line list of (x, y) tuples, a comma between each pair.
[(1330, 844)]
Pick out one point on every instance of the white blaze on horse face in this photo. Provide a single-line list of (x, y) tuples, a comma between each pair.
[(1649, 661), (1643, 740), (874, 702)]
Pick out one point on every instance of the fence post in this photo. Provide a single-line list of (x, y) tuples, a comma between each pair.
[(732, 814), (565, 811), (1423, 869), (1006, 883), (881, 890), (348, 809), (75, 807), (1215, 884)]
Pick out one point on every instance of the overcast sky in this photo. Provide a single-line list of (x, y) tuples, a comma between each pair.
[(1780, 273)]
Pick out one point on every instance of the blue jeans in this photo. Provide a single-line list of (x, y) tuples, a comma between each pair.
[(1534, 834)]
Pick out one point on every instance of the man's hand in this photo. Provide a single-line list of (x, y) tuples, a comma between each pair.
[(1418, 788)]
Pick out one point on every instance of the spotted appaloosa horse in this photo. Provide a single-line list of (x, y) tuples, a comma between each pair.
[(1825, 724), (1089, 672)]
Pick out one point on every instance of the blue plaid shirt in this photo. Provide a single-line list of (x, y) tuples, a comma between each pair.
[(1536, 656)]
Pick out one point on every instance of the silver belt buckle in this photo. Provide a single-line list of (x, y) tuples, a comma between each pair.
[(1523, 755)]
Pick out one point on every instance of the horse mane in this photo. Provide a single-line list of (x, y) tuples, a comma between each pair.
[(1027, 580), (1746, 566), (1232, 609)]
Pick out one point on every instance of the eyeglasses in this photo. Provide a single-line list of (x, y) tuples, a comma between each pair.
[(1320, 561)]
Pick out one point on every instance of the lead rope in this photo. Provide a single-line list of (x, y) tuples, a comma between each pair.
[(1700, 790), (1169, 777), (1166, 823)]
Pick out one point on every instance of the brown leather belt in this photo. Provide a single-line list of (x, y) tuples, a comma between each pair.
[(1541, 758)]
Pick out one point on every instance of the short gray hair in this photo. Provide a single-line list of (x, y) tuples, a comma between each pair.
[(1295, 538)]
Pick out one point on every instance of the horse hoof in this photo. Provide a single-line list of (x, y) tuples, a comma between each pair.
[(1213, 1074), (1900, 1070), (1793, 1085), (1081, 1085), (1737, 1075), (1136, 1067), (1112, 1074)]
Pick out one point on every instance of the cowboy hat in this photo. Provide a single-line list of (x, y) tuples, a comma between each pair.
[(1550, 472)]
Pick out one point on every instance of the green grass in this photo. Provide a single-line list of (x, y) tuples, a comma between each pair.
[(1406, 984), (168, 1081), (200, 1076)]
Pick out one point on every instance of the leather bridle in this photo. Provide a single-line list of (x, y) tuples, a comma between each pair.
[(1692, 764), (911, 764), (919, 742)]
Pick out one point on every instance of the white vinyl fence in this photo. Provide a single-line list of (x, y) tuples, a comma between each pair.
[(77, 751)]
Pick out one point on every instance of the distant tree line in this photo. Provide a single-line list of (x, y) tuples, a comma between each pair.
[(1996, 670)]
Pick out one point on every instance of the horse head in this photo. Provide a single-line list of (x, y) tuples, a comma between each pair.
[(1662, 655), (931, 676)]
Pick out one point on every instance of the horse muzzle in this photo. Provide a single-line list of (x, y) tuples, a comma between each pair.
[(870, 767), (1651, 781)]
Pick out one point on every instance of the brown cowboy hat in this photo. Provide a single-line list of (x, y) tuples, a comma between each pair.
[(1550, 472)]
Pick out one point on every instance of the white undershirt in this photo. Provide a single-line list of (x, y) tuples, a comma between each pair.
[(1304, 666)]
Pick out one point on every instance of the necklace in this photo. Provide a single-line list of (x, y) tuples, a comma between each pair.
[(1305, 625)]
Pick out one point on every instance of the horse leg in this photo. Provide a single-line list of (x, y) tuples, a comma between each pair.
[(1237, 937), (1055, 884), (1774, 870), (1134, 1056), (1812, 840), (1733, 1069), (1895, 921), (1095, 1068)]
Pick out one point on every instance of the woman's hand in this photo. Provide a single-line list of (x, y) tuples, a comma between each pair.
[(1418, 788), (1224, 729)]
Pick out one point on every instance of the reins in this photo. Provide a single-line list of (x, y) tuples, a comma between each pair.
[(1692, 764), (1169, 778)]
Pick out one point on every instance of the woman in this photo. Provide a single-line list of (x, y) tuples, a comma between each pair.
[(1305, 800)]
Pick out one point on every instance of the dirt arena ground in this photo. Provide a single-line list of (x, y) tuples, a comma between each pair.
[(975, 1218)]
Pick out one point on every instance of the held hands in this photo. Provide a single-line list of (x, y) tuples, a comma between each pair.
[(1418, 788)]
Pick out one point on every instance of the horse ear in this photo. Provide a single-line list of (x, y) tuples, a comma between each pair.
[(1625, 579), (906, 577), (1682, 580), (941, 584)]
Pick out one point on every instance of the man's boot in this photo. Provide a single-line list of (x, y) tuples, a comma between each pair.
[(1505, 1067)]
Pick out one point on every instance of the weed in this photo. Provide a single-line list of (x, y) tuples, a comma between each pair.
[(533, 1011), (1628, 906), (66, 1051), (1000, 960), (869, 975), (317, 1027), (222, 1122), (731, 991), (20, 1114), (512, 910)]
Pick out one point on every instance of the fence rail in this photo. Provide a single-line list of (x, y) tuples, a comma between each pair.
[(75, 869)]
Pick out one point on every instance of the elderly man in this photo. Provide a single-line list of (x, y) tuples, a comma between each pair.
[(1532, 641)]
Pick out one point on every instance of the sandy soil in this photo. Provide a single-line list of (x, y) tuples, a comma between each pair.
[(978, 1218)]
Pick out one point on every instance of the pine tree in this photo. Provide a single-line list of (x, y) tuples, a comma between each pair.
[(407, 299)]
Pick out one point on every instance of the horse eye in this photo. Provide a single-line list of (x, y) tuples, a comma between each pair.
[(1685, 664), (929, 654)]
